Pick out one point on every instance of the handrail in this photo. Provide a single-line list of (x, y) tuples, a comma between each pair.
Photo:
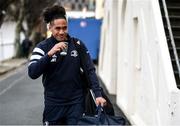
[(171, 36)]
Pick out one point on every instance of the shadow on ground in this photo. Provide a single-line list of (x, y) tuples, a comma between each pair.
[(117, 110)]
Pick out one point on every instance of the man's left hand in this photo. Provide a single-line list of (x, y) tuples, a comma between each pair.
[(100, 101)]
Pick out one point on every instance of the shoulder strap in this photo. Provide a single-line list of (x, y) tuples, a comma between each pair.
[(82, 56), (78, 44)]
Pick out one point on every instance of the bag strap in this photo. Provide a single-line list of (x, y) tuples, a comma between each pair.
[(82, 53)]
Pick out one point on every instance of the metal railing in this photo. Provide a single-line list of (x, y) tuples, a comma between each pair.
[(171, 36)]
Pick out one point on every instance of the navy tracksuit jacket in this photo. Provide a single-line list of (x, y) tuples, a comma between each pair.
[(62, 81)]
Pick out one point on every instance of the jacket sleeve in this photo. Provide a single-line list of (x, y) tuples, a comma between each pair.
[(38, 62), (91, 73)]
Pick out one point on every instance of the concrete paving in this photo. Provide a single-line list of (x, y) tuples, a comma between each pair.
[(21, 99), (11, 64)]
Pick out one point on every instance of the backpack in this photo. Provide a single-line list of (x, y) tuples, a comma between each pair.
[(90, 106)]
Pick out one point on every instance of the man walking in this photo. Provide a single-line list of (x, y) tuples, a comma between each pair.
[(57, 59)]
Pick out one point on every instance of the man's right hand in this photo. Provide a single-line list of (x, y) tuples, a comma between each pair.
[(57, 48)]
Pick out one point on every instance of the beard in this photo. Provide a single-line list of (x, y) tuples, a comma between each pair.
[(61, 38)]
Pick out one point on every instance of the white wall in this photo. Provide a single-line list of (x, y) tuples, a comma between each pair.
[(145, 85), (108, 50), (7, 35), (99, 10)]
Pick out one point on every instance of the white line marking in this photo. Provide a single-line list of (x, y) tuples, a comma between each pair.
[(11, 85)]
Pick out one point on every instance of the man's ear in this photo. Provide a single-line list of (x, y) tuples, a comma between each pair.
[(50, 27)]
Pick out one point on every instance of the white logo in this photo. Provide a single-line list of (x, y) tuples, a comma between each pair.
[(74, 53), (78, 42), (54, 57)]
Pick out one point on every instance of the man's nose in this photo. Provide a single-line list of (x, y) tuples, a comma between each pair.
[(61, 31)]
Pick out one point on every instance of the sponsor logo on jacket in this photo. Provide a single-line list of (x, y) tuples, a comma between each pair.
[(74, 53)]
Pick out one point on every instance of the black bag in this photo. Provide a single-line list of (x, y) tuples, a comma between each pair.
[(101, 119), (90, 106)]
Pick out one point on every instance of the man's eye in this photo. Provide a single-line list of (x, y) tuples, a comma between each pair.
[(65, 27), (61, 28), (58, 28)]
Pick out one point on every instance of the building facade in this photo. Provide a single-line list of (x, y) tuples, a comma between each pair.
[(135, 64)]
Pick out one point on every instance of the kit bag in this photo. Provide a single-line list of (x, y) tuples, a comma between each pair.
[(90, 106), (101, 118)]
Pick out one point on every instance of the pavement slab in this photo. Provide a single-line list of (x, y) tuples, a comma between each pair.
[(11, 64)]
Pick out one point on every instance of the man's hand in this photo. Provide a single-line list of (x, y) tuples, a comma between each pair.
[(100, 101), (57, 48)]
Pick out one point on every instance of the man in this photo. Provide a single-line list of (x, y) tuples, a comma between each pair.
[(26, 45), (63, 85)]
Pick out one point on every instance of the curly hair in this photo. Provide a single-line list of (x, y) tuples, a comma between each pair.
[(54, 12)]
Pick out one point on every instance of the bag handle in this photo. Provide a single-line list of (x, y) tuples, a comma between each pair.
[(101, 114)]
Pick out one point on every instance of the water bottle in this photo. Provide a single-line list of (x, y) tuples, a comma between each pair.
[(64, 51)]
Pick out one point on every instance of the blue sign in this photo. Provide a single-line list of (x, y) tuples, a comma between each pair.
[(88, 30)]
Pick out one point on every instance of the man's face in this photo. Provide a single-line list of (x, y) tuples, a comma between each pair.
[(58, 27)]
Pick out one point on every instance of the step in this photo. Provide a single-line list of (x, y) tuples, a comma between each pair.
[(172, 10), (175, 30), (172, 53), (173, 17), (172, 1), (176, 39), (174, 20)]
